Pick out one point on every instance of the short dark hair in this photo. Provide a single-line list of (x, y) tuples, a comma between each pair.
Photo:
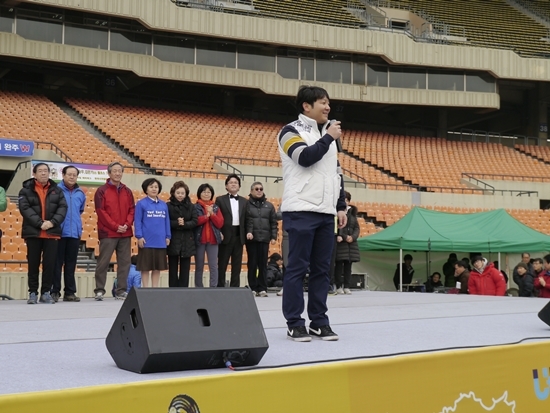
[(275, 257), (452, 255), (348, 195), (461, 263), (229, 177), (522, 265), (35, 167), (437, 273), (539, 260), (309, 94), (407, 257), (201, 189), (110, 166), (133, 259), (525, 253), (150, 181), (547, 258), (177, 185), (64, 170)]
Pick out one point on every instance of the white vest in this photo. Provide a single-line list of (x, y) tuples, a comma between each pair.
[(315, 188)]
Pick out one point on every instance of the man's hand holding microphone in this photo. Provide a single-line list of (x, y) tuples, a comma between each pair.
[(335, 130)]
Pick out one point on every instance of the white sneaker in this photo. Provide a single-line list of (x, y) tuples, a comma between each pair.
[(347, 291), (280, 292), (121, 296), (340, 291), (98, 296), (262, 294)]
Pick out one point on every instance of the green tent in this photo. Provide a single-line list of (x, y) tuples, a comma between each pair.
[(426, 230)]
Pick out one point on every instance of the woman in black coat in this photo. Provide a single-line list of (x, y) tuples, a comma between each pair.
[(183, 219), (347, 249)]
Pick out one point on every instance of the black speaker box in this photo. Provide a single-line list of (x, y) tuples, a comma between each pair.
[(544, 314), (172, 329)]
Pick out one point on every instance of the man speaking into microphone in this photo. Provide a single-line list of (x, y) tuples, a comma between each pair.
[(313, 194)]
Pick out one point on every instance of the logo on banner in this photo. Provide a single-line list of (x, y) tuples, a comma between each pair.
[(541, 393), (472, 404), (183, 403), (25, 148)]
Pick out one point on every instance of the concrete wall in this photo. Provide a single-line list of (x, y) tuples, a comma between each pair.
[(15, 284), (26, 172)]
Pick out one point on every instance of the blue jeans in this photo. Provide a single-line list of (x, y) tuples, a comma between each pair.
[(212, 255)]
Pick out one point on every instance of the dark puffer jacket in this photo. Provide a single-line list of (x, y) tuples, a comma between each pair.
[(31, 209), (183, 239), (261, 219), (346, 251)]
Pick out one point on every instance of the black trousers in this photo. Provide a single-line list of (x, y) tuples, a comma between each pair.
[(343, 268), (67, 254), (257, 265), (181, 279), (234, 251), (41, 250)]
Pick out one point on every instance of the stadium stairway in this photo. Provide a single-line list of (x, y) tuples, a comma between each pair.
[(387, 172), (80, 120)]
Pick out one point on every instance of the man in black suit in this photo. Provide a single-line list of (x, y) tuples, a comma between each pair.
[(233, 209)]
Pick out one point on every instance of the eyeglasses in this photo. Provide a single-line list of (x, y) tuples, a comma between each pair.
[(258, 189)]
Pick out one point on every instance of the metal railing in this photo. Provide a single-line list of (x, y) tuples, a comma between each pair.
[(54, 148), (505, 177), (471, 135)]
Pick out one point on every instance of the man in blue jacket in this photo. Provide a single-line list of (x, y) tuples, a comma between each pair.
[(67, 250)]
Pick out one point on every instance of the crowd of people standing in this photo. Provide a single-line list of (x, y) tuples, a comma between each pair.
[(169, 234)]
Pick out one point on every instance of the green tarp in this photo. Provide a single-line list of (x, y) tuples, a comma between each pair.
[(426, 230)]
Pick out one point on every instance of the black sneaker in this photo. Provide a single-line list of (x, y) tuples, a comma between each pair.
[(55, 296), (324, 333), (298, 334)]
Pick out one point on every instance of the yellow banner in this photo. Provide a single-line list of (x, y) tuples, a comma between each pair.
[(503, 379)]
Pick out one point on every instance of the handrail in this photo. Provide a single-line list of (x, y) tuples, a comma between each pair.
[(255, 161), (17, 168), (515, 177), (228, 165), (352, 174), (477, 181), (56, 149)]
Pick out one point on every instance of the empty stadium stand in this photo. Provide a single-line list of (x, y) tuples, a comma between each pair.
[(36, 118), (436, 162), (485, 23)]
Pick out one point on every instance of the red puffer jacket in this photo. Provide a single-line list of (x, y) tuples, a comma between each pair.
[(489, 282), (544, 292)]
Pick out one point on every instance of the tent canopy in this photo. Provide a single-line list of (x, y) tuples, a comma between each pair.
[(426, 230)]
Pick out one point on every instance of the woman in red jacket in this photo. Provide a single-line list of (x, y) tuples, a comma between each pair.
[(485, 279), (542, 281), (207, 234)]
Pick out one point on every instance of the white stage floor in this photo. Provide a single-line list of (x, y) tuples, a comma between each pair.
[(60, 346)]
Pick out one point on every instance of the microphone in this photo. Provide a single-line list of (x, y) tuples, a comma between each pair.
[(338, 141)]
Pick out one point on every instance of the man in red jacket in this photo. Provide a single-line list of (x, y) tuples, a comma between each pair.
[(114, 206), (485, 279)]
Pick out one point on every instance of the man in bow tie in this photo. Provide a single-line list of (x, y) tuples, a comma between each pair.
[(233, 208)]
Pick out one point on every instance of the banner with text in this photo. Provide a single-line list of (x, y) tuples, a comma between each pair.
[(12, 147), (89, 174)]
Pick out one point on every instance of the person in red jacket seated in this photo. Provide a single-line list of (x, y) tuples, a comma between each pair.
[(542, 281), (485, 279)]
